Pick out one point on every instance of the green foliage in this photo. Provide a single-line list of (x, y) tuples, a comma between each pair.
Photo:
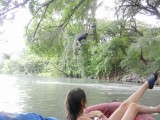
[(109, 28), (33, 65), (12, 66), (28, 64), (149, 45), (46, 43), (98, 62), (132, 60), (49, 38), (105, 59), (52, 34), (94, 60)]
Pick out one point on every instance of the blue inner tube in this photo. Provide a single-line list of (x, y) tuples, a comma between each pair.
[(23, 116)]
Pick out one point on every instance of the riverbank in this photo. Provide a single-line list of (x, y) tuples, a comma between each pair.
[(135, 78), (130, 77)]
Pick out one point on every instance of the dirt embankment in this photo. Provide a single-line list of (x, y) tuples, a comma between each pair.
[(135, 78)]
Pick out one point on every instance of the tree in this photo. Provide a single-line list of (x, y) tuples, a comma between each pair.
[(133, 7), (126, 11), (68, 11), (9, 7), (12, 66), (54, 26), (149, 43)]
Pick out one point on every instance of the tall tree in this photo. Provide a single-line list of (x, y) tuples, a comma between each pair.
[(50, 24), (130, 8)]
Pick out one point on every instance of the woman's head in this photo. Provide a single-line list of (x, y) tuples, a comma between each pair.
[(75, 103)]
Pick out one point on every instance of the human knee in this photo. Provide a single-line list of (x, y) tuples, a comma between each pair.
[(125, 104), (133, 106)]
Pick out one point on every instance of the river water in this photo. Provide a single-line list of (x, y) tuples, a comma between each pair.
[(46, 96)]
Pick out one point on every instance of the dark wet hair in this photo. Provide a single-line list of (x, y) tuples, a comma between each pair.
[(74, 101)]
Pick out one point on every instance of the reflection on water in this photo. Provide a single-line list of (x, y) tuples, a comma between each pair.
[(9, 94), (46, 96)]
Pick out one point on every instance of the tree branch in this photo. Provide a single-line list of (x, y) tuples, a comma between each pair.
[(59, 69), (40, 21), (32, 19), (43, 5), (64, 24), (154, 11), (137, 31), (132, 7), (145, 61), (119, 7), (153, 8), (16, 6), (60, 27)]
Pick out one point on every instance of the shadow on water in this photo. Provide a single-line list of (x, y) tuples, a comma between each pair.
[(46, 96)]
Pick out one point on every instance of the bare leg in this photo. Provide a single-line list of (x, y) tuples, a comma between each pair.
[(134, 98), (135, 108)]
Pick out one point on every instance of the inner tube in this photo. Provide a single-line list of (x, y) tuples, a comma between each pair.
[(108, 108), (23, 116)]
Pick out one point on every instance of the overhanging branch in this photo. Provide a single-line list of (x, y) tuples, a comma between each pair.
[(64, 24), (59, 69), (43, 5), (137, 6), (61, 26), (40, 21), (16, 6)]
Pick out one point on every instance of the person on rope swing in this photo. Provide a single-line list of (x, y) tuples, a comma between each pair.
[(80, 38), (76, 103)]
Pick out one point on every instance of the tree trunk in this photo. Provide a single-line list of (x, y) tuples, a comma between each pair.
[(145, 61), (94, 26)]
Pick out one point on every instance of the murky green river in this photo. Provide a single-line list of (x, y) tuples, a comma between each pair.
[(46, 96)]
